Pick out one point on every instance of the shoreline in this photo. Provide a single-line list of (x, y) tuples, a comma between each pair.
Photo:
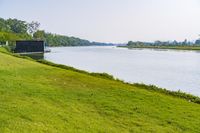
[(179, 94), (190, 48)]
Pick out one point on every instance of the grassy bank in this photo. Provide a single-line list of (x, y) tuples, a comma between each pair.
[(38, 97), (166, 47)]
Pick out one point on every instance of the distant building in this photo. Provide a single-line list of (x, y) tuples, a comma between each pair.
[(30, 46)]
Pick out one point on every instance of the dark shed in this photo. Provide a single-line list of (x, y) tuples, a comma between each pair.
[(29, 46)]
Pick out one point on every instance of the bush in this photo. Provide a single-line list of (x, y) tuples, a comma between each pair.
[(179, 94), (103, 75), (7, 48)]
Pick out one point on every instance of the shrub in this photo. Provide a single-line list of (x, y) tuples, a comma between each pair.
[(179, 94)]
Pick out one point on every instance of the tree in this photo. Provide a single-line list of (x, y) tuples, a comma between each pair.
[(197, 42), (157, 43), (185, 42), (14, 29), (17, 26), (3, 26), (130, 43), (33, 27), (39, 35), (174, 42)]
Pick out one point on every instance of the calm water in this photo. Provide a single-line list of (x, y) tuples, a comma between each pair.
[(171, 69)]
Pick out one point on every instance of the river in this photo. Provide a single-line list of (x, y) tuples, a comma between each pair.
[(171, 69)]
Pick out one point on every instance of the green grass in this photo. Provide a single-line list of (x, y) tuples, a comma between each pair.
[(36, 98), (167, 47)]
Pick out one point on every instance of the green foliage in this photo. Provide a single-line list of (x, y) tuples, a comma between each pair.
[(4, 36), (179, 94), (60, 40), (185, 45), (4, 26), (194, 47), (11, 38), (7, 48), (14, 29), (103, 75), (163, 44), (197, 42), (17, 26), (39, 35)]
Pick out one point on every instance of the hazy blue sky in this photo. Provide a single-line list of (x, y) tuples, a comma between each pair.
[(111, 20)]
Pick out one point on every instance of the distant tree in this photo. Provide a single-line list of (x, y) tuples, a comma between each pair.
[(2, 37), (157, 43), (39, 35), (197, 42), (130, 43), (3, 26), (14, 29), (185, 42), (17, 26), (33, 27), (174, 42), (60, 40)]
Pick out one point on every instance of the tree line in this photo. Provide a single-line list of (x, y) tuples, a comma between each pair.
[(60, 40), (164, 43), (14, 29)]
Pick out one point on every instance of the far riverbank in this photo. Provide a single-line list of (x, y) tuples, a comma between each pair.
[(164, 47)]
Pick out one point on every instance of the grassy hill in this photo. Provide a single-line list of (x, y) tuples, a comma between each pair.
[(35, 97)]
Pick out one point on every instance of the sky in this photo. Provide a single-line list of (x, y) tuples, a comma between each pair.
[(117, 21)]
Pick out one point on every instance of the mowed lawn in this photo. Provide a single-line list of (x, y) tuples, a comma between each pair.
[(36, 98)]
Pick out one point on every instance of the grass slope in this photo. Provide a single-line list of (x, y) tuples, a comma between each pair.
[(39, 98)]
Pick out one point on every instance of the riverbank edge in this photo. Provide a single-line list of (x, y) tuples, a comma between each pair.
[(189, 48), (178, 94)]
